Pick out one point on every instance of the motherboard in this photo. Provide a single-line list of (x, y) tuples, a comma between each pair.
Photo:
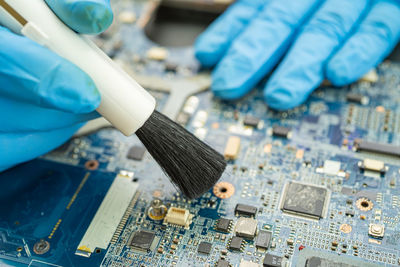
[(318, 185)]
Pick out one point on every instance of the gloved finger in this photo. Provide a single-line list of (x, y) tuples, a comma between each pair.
[(17, 148), (302, 69), (211, 45), (35, 75), (23, 117), (375, 38), (256, 51), (83, 16)]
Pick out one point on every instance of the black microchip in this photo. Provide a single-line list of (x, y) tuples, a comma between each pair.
[(280, 131), (385, 149), (272, 261), (204, 247), (223, 225), (142, 240), (247, 210), (251, 121), (263, 239), (305, 200), (136, 153), (357, 98), (350, 213), (236, 243), (321, 262), (222, 263)]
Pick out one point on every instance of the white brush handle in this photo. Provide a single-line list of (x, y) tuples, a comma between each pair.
[(124, 103)]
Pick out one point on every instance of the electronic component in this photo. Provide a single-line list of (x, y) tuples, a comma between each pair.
[(349, 213), (364, 204), (304, 200), (263, 239), (372, 165), (247, 210), (251, 121), (222, 263), (157, 210), (385, 149), (318, 258), (127, 17), (136, 153), (232, 148), (281, 131), (246, 227), (272, 261), (157, 53), (108, 215), (376, 230), (321, 262), (357, 98), (223, 190), (223, 225), (142, 240), (204, 247), (236, 243), (245, 263), (178, 216)]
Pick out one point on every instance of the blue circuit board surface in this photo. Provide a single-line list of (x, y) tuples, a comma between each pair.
[(318, 187)]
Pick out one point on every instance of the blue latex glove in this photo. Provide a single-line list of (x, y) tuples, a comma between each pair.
[(44, 98), (339, 40)]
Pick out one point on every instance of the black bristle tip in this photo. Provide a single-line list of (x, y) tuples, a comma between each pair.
[(190, 164)]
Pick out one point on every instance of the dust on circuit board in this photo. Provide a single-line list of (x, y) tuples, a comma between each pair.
[(317, 185)]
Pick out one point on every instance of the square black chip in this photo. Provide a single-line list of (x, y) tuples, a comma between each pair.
[(142, 240)]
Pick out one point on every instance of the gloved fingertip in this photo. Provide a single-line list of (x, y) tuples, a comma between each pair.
[(338, 72), (69, 89), (225, 87), (280, 98), (204, 53), (92, 17)]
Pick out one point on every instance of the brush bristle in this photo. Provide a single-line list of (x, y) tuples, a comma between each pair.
[(190, 164)]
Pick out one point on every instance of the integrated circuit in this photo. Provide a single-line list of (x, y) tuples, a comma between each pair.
[(204, 247), (247, 210), (304, 200), (236, 243), (281, 131), (136, 153), (222, 263), (223, 225), (246, 227), (142, 240), (272, 261), (251, 121), (263, 239)]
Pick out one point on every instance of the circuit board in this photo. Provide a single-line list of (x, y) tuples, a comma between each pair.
[(318, 185)]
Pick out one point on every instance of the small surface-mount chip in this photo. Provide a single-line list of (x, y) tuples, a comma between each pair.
[(247, 210), (232, 148), (281, 131), (236, 243), (136, 153), (142, 240), (251, 121), (222, 263), (204, 247), (357, 98), (223, 225), (372, 165), (246, 227), (304, 200), (376, 230), (272, 261), (263, 239)]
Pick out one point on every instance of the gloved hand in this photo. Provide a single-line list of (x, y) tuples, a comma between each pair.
[(339, 40), (44, 98)]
